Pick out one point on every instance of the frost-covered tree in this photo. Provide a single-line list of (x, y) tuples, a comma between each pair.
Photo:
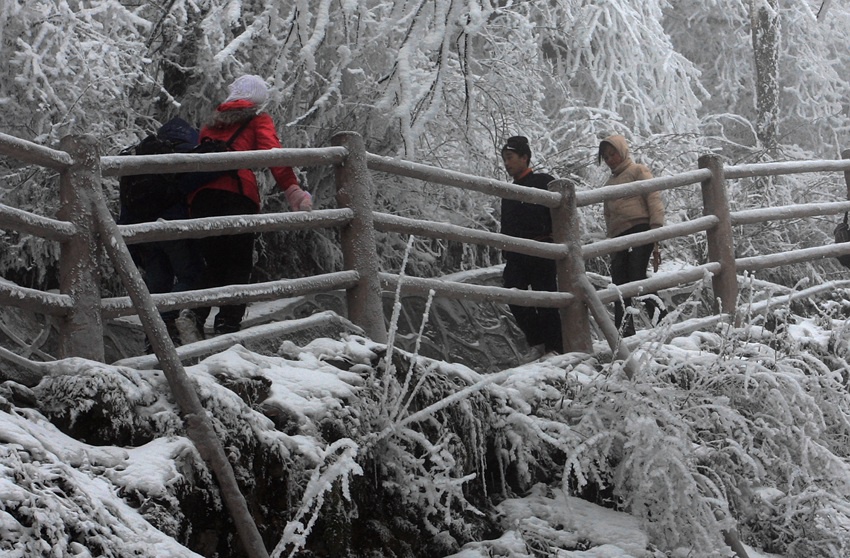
[(69, 67), (806, 112), (443, 82), (732, 42), (765, 35)]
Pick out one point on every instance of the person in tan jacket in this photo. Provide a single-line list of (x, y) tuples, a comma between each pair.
[(629, 215)]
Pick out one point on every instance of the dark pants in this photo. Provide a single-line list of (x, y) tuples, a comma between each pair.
[(540, 325), (627, 266), (170, 266), (229, 259)]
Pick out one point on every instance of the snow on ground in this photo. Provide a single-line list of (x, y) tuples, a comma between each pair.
[(35, 457), (539, 521), (48, 479)]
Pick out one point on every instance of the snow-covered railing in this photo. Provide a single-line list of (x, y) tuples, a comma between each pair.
[(51, 229), (215, 226), (50, 304), (33, 153), (218, 296), (716, 223), (124, 165)]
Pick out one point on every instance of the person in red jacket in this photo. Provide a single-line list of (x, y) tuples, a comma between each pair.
[(230, 259)]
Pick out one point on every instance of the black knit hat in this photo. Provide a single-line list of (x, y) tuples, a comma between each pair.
[(518, 144)]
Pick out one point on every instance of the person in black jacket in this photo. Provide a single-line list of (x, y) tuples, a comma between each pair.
[(168, 266), (541, 326)]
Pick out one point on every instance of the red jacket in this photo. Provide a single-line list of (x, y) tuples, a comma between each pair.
[(259, 134)]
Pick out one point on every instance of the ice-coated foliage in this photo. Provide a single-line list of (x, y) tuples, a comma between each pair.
[(442, 82)]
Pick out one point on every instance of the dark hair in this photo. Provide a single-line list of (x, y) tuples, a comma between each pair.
[(519, 145), (602, 145)]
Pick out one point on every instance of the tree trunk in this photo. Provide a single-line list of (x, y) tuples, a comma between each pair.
[(766, 34)]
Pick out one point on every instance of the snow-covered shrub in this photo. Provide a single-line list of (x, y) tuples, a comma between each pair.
[(741, 421), (101, 404)]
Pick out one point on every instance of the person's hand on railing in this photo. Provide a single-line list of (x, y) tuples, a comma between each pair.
[(298, 199), (656, 258)]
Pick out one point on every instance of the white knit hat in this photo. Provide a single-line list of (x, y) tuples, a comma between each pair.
[(250, 88)]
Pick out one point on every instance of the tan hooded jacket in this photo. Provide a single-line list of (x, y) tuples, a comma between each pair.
[(621, 214)]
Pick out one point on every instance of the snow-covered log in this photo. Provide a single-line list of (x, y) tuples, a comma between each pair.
[(354, 190), (796, 211), (845, 154), (81, 332), (566, 232), (599, 195), (37, 301), (658, 282), (786, 167), (220, 343), (784, 300), (606, 324), (611, 245), (754, 263), (197, 423), (720, 240)]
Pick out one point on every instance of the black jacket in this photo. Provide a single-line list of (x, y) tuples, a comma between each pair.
[(528, 220)]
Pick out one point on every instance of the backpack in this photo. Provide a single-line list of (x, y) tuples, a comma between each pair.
[(145, 197), (842, 234), (192, 181)]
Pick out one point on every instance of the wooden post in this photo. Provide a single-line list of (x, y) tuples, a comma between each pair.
[(199, 427), (354, 191), (846, 155), (81, 331), (609, 330), (721, 246), (575, 323)]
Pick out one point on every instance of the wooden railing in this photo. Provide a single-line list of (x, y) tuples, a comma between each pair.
[(84, 227)]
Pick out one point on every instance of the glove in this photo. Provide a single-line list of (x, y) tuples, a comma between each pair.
[(656, 258), (298, 199)]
